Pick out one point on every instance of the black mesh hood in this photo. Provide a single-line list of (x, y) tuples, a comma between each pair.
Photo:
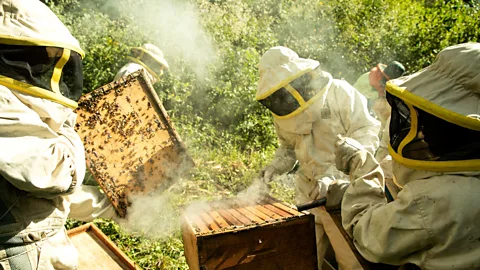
[(34, 65), (308, 86), (434, 138)]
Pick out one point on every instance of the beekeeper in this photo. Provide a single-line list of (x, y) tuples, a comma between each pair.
[(435, 145), (372, 85), (42, 164), (309, 109), (149, 58)]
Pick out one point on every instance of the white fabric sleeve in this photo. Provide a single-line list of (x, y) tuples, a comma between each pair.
[(382, 151), (34, 158), (88, 203), (358, 123), (382, 232), (285, 158)]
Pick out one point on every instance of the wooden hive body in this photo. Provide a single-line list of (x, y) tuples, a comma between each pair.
[(234, 234), (96, 251), (130, 143)]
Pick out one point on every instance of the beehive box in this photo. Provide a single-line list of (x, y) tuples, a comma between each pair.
[(130, 143), (237, 234), (97, 251)]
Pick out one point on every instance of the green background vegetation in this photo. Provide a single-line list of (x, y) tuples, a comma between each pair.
[(229, 135)]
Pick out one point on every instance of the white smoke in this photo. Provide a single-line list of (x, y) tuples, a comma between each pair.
[(176, 28), (152, 216)]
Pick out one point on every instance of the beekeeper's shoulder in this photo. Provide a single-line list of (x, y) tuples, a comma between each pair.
[(341, 89)]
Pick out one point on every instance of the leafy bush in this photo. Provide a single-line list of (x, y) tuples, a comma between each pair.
[(217, 107)]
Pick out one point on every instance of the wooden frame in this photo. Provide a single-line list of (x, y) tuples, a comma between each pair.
[(97, 251), (130, 143)]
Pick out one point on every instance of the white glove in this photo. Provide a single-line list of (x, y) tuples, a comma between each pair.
[(345, 149), (266, 174), (335, 193)]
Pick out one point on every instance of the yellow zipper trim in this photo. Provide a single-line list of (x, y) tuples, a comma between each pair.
[(305, 104), (432, 108), (159, 60), (57, 71), (295, 94), (437, 166), (282, 84), (37, 92), (12, 40), (412, 133)]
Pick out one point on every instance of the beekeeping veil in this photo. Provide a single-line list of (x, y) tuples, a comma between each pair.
[(38, 55), (289, 84), (435, 124), (151, 58)]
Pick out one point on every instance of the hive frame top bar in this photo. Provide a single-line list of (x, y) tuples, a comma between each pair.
[(235, 214)]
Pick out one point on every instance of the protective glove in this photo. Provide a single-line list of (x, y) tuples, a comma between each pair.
[(345, 149), (335, 193), (266, 174)]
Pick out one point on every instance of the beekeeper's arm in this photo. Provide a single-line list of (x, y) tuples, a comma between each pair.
[(35, 158), (363, 86), (356, 120), (382, 150), (381, 232), (283, 161), (88, 203)]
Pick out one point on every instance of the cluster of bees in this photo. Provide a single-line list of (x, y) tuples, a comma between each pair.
[(118, 126)]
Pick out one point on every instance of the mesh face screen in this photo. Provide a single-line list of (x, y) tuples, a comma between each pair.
[(35, 65), (148, 60), (435, 139), (399, 122), (281, 102), (304, 87)]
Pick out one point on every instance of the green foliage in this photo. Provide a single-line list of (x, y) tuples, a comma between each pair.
[(212, 100)]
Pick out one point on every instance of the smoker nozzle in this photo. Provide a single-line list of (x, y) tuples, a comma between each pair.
[(311, 205)]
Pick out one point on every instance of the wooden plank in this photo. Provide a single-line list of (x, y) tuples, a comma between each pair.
[(198, 222), (239, 216), (264, 210), (220, 221), (258, 213), (97, 251), (209, 221), (253, 218), (277, 210), (231, 219), (287, 209)]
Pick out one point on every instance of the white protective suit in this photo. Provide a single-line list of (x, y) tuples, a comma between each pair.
[(308, 134), (434, 221), (372, 87), (42, 164), (149, 58)]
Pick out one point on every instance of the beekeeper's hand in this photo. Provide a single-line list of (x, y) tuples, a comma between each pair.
[(267, 173), (345, 150), (335, 193)]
